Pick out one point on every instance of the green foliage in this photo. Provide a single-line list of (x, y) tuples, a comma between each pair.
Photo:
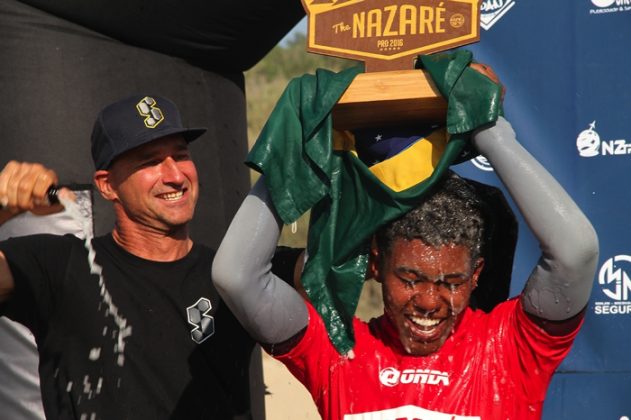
[(292, 59), (266, 81)]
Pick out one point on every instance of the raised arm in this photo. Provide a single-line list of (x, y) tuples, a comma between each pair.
[(268, 308), (559, 287)]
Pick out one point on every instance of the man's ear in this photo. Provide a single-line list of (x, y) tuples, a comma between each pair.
[(374, 262), (477, 269), (104, 185)]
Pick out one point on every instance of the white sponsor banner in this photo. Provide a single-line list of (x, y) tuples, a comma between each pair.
[(407, 412)]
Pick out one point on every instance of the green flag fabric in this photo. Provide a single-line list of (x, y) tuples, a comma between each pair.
[(304, 169)]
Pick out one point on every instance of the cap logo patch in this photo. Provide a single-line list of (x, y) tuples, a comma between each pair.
[(148, 109)]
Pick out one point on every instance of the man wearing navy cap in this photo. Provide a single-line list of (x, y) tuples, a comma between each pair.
[(133, 328)]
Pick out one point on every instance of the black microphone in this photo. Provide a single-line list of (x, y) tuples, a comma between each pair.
[(53, 191), (52, 194)]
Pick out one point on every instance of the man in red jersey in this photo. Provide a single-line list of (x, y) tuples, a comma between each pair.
[(430, 356)]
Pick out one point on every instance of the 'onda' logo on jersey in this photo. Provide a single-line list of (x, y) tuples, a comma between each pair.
[(391, 377)]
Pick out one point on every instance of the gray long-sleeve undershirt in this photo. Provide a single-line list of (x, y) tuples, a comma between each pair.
[(558, 288), (560, 284), (267, 307)]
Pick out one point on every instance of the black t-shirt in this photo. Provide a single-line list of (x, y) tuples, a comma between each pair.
[(186, 356)]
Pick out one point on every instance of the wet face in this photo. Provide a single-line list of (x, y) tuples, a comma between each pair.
[(426, 291), (156, 184)]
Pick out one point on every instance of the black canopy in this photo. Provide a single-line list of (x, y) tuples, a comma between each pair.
[(218, 35)]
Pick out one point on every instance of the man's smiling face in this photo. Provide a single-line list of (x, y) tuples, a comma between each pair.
[(425, 290), (157, 183)]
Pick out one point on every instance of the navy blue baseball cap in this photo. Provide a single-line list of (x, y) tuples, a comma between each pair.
[(132, 122)]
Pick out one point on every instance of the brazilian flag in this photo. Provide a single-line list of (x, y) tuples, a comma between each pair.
[(308, 165)]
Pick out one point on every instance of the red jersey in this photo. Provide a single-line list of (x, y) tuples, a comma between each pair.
[(495, 366)]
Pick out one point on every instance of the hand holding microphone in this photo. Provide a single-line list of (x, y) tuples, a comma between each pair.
[(30, 187)]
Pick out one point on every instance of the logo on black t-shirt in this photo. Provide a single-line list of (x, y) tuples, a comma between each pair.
[(204, 324)]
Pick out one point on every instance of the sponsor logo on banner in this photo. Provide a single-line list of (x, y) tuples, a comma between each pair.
[(610, 6), (589, 144), (491, 11), (615, 285), (482, 163), (407, 412), (391, 377)]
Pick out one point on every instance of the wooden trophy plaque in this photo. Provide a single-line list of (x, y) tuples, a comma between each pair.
[(387, 35)]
